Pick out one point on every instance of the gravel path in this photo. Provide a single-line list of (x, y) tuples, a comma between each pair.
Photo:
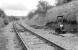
[(3, 41), (34, 42), (13, 43)]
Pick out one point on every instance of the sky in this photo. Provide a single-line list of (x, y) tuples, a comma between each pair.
[(20, 7)]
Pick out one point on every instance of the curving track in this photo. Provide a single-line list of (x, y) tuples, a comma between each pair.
[(31, 41), (21, 41)]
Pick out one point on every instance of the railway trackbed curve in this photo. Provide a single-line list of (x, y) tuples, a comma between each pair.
[(35, 37)]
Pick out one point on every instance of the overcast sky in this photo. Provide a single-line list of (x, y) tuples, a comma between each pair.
[(22, 5)]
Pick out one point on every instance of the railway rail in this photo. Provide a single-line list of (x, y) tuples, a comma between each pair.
[(23, 41), (49, 42)]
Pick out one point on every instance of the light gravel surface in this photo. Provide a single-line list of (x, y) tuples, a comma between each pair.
[(33, 42), (13, 43), (3, 40), (68, 42)]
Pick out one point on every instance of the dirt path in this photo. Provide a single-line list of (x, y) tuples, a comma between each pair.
[(12, 43), (3, 40)]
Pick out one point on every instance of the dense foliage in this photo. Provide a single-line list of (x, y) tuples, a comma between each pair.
[(42, 9), (61, 2)]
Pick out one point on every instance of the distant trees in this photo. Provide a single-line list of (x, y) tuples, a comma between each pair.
[(2, 14), (13, 18), (43, 7), (61, 2), (30, 15)]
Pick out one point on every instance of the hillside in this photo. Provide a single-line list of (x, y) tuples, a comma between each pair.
[(68, 10)]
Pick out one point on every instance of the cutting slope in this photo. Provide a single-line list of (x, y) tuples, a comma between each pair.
[(69, 11)]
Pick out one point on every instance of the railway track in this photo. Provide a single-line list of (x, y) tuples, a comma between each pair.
[(21, 41), (31, 41)]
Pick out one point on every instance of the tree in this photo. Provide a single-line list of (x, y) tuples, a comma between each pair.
[(2, 14), (30, 15), (43, 7), (61, 2)]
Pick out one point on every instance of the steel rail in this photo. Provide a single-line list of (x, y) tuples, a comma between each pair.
[(24, 46), (51, 43)]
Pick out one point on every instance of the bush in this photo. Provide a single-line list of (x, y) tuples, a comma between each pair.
[(43, 7), (30, 15), (61, 2), (2, 14)]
